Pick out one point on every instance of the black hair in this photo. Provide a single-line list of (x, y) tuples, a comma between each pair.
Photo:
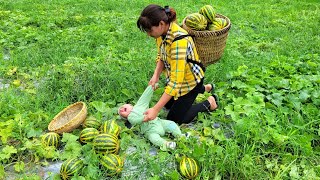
[(153, 14)]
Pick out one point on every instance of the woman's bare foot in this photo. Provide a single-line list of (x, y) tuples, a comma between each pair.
[(213, 103), (209, 87)]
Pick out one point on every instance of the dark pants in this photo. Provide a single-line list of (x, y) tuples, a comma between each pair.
[(182, 110)]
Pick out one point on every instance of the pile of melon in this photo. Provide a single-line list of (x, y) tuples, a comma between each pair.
[(205, 20), (104, 137)]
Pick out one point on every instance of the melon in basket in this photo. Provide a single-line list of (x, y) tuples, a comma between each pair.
[(208, 12), (196, 21), (218, 24)]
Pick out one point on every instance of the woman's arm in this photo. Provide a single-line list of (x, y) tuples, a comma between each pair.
[(152, 113), (156, 74)]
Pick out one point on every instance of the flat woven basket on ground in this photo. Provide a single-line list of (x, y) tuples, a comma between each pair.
[(210, 44), (69, 118)]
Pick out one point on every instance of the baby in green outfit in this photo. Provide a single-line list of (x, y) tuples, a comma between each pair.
[(152, 130)]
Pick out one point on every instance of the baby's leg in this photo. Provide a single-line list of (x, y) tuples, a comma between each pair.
[(171, 127), (156, 139)]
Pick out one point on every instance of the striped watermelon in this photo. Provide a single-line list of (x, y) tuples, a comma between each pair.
[(218, 24), (208, 12), (110, 127), (106, 143), (70, 167), (88, 134), (188, 168), (51, 139), (196, 21), (113, 163), (91, 122)]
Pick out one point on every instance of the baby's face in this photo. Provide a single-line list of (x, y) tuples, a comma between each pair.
[(125, 110)]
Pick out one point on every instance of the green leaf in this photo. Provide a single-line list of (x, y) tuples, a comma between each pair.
[(239, 84), (34, 132), (72, 148), (6, 152), (294, 172), (174, 175), (68, 137), (19, 166), (276, 98), (230, 111), (304, 95), (100, 106), (6, 130), (207, 131), (2, 172)]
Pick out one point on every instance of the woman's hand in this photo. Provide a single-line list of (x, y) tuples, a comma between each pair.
[(156, 74), (150, 114), (154, 82)]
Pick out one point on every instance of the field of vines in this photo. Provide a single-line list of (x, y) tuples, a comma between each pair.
[(58, 52)]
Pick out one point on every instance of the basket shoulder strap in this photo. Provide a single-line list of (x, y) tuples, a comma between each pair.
[(181, 37), (190, 60)]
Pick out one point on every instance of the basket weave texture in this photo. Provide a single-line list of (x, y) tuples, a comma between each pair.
[(69, 118), (210, 44)]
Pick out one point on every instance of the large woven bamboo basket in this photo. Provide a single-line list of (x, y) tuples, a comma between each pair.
[(69, 118), (210, 44)]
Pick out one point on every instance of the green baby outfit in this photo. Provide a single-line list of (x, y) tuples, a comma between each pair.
[(154, 129)]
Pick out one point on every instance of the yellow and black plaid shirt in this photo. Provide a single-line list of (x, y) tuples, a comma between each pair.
[(181, 76)]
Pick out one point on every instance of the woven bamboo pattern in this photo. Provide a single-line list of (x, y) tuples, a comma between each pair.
[(210, 44), (69, 118)]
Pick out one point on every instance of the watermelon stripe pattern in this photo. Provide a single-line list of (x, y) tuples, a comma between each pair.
[(91, 122), (208, 12), (112, 163), (70, 167), (189, 168), (220, 22), (106, 143), (111, 127), (88, 134), (196, 21), (51, 139)]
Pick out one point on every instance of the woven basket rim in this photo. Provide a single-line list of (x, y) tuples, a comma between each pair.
[(205, 33), (51, 126)]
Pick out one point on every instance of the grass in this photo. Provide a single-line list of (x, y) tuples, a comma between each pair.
[(65, 51)]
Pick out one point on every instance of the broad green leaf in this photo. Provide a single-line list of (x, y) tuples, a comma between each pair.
[(304, 95), (34, 132), (207, 131), (294, 172), (100, 106), (19, 166), (276, 98), (239, 84), (230, 111), (6, 152), (173, 175), (68, 137), (6, 129)]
